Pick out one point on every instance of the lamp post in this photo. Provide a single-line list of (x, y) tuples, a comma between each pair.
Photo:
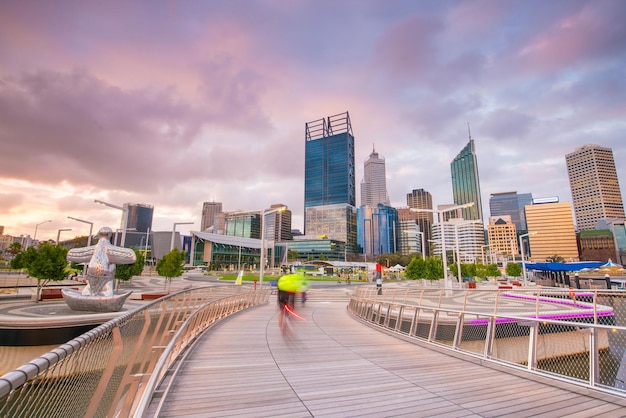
[(37, 226), (90, 228), (264, 213), (440, 214), (174, 232), (124, 210), (522, 249), (59, 233)]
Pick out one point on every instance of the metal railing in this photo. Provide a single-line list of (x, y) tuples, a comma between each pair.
[(112, 369), (578, 336)]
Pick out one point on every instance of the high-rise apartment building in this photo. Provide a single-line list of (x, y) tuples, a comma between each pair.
[(511, 204), (551, 229), (594, 184), (465, 182), (465, 238), (329, 180), (209, 210), (374, 184), (420, 199)]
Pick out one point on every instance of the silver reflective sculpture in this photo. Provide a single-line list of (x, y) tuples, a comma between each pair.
[(99, 295)]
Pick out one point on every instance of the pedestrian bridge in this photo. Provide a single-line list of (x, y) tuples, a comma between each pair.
[(373, 359)]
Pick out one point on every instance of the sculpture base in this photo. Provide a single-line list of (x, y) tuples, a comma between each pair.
[(79, 302)]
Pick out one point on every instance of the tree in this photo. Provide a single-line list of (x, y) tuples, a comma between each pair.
[(46, 263), (429, 269), (15, 248), (292, 255), (513, 270), (171, 265), (125, 272)]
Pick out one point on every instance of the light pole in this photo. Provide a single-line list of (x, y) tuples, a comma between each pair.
[(264, 213), (174, 232), (59, 233), (124, 210), (90, 228), (440, 214), (522, 248), (37, 226)]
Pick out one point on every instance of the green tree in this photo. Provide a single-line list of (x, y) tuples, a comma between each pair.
[(292, 255), (46, 263), (171, 265), (125, 272), (24, 258), (513, 270), (429, 269), (15, 248)]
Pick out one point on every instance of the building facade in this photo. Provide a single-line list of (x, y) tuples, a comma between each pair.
[(420, 199), (465, 239), (329, 180), (502, 234), (511, 204), (209, 211), (243, 224), (466, 183), (551, 229), (410, 238), (377, 231), (596, 193), (596, 245), (278, 224), (374, 184)]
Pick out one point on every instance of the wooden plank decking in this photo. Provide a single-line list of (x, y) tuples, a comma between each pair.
[(333, 366)]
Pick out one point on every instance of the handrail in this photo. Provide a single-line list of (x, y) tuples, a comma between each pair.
[(103, 372), (574, 336)]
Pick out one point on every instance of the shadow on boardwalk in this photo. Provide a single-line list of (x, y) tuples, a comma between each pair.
[(332, 365)]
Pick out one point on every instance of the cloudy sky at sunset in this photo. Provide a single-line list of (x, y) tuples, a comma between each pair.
[(173, 103)]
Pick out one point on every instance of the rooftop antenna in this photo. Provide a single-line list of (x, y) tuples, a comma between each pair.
[(469, 132)]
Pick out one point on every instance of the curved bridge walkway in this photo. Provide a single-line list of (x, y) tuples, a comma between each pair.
[(331, 365)]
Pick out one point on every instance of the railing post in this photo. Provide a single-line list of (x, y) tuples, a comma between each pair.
[(593, 357), (432, 335), (533, 335), (489, 337), (458, 332)]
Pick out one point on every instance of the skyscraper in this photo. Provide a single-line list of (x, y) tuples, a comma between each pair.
[(278, 224), (374, 184), (329, 184), (551, 228), (465, 182), (594, 184), (511, 204), (377, 229), (420, 199), (209, 210)]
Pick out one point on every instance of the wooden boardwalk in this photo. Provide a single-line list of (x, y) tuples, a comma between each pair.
[(331, 365)]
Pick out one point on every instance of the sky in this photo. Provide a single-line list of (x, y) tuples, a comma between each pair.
[(174, 103)]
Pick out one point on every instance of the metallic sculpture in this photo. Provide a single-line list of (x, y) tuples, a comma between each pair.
[(99, 295)]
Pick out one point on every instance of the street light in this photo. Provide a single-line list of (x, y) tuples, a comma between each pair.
[(90, 228), (264, 213), (522, 248), (440, 214), (59, 233), (174, 232), (124, 210), (37, 226)]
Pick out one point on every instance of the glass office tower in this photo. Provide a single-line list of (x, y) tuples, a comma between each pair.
[(511, 204), (329, 183), (378, 228), (465, 182)]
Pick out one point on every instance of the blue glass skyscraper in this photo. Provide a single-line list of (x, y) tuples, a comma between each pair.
[(512, 204), (465, 182), (329, 179)]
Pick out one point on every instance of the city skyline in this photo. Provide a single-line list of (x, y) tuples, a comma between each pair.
[(176, 104)]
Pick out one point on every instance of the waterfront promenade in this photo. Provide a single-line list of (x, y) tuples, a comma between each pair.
[(332, 365)]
